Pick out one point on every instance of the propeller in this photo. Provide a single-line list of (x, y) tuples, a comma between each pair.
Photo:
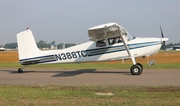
[(163, 40)]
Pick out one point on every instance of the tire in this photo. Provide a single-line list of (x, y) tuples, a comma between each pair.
[(136, 69), (140, 66), (20, 70)]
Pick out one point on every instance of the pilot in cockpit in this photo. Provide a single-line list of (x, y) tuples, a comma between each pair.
[(116, 40)]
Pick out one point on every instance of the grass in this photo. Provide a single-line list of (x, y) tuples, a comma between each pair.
[(34, 95)]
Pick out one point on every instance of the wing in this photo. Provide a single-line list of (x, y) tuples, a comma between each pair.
[(105, 31)]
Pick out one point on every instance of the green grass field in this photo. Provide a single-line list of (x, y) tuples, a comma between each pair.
[(56, 95)]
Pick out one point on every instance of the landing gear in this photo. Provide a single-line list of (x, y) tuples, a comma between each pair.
[(20, 70), (136, 69)]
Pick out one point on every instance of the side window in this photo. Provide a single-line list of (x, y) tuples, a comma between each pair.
[(101, 43), (114, 40)]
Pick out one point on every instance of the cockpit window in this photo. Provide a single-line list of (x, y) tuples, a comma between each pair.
[(101, 43), (114, 40)]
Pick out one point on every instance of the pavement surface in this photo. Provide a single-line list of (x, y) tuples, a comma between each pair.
[(170, 77)]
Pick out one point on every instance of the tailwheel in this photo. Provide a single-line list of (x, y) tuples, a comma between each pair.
[(136, 69), (20, 70)]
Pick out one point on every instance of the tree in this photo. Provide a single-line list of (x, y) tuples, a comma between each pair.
[(60, 45), (53, 42), (169, 45), (69, 45), (43, 44), (11, 45)]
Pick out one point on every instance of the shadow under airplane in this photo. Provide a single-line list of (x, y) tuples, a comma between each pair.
[(70, 73)]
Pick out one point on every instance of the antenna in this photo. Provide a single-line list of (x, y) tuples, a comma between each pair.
[(82, 39)]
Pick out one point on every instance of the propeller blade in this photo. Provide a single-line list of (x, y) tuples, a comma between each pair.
[(164, 44), (165, 48), (161, 32)]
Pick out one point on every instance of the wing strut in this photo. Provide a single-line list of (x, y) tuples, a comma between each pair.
[(127, 48)]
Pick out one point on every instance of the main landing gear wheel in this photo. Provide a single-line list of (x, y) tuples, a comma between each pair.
[(136, 69), (140, 65), (20, 70)]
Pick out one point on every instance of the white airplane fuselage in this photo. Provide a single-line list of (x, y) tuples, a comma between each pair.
[(88, 52)]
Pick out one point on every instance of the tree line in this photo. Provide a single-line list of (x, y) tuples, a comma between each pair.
[(42, 44), (170, 45)]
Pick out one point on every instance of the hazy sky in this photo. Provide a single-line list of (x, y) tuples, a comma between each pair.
[(67, 21)]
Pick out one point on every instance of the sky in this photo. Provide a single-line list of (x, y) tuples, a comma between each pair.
[(67, 21)]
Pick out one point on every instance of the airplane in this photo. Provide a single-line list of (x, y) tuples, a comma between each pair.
[(2, 48), (108, 42)]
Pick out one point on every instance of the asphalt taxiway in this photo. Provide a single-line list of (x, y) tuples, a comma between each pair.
[(163, 77)]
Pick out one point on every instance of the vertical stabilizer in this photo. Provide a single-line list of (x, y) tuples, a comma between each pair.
[(27, 47)]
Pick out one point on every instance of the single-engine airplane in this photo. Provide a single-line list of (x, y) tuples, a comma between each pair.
[(107, 42)]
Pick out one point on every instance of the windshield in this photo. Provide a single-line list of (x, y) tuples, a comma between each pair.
[(129, 37)]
